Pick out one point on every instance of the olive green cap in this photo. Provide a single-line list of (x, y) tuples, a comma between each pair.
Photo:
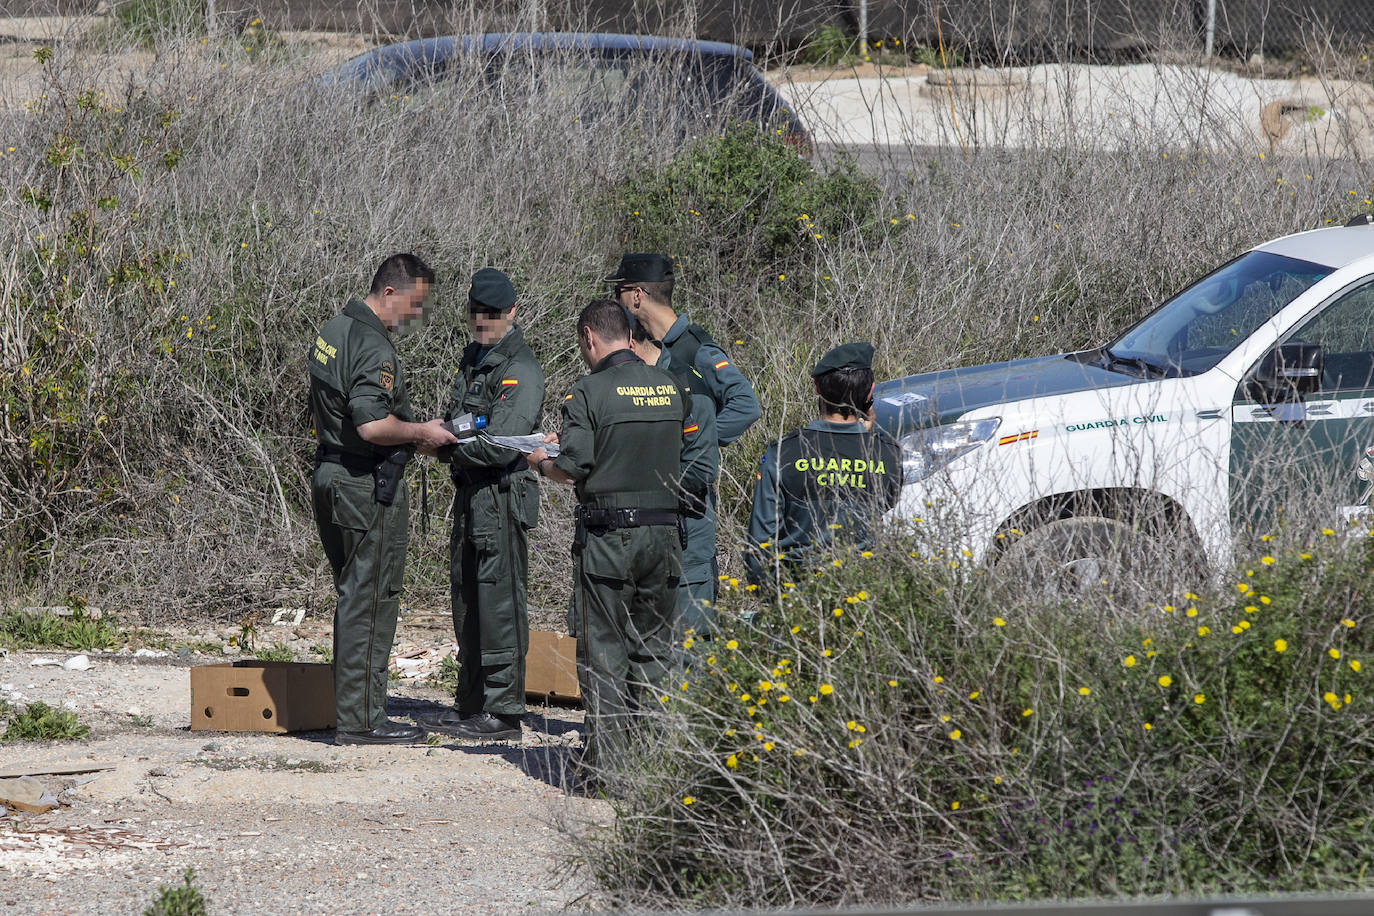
[(858, 355), (492, 289), (642, 267)]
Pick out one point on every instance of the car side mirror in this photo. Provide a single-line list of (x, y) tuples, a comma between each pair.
[(1289, 372)]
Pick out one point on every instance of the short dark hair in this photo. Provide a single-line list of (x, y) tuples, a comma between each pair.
[(400, 271), (607, 318), (658, 290), (845, 391)]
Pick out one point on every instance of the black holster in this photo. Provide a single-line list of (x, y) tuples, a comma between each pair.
[(692, 503), (386, 476)]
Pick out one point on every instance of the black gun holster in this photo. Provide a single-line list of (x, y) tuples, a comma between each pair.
[(386, 476)]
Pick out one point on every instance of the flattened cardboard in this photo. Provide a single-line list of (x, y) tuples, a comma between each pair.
[(551, 666), (258, 696)]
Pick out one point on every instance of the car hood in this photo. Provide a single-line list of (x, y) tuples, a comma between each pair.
[(935, 398)]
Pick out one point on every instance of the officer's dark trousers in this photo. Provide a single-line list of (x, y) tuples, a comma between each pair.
[(366, 546), (626, 602), (697, 594), (488, 569)]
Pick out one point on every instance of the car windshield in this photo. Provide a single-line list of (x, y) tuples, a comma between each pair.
[(1192, 331)]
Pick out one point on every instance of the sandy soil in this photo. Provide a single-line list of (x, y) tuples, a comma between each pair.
[(279, 823)]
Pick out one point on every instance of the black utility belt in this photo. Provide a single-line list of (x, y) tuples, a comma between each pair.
[(351, 461), (625, 518)]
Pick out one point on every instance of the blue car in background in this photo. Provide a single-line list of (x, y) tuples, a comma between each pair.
[(601, 77)]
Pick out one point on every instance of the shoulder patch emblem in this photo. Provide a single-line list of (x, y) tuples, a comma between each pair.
[(505, 382), (722, 364), (475, 388), (568, 396), (386, 376), (688, 430)]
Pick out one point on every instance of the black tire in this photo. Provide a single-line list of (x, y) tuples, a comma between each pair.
[(1086, 555)]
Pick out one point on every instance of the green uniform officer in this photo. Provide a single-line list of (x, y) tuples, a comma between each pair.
[(643, 283), (835, 476), (495, 503), (701, 467), (363, 424), (622, 445)]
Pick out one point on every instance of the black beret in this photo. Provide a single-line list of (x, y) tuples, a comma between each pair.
[(639, 267), (857, 355), (491, 288)]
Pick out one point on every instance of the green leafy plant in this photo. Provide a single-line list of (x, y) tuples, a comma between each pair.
[(184, 899), (22, 630), (325, 654), (278, 653), (40, 722), (445, 677)]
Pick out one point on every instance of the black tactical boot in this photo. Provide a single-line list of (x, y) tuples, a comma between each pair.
[(485, 726), (444, 721), (388, 732)]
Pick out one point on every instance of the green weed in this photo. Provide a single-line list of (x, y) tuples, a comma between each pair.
[(40, 722), (325, 654), (278, 653), (446, 676), (184, 899), (20, 630)]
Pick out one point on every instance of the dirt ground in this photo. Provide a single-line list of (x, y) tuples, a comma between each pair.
[(279, 823)]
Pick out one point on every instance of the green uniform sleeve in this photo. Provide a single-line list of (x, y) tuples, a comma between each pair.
[(737, 407), (514, 410), (370, 381), (699, 449), (761, 544), (576, 443)]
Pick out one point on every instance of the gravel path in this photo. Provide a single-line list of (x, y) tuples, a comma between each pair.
[(280, 823)]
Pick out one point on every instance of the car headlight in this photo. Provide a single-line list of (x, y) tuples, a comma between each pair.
[(926, 451)]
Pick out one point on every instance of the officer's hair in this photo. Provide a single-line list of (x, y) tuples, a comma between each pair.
[(844, 391), (606, 318), (658, 290), (400, 272)]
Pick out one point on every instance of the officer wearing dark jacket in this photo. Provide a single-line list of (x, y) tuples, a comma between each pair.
[(622, 446), (364, 427), (644, 284), (495, 504), (836, 476)]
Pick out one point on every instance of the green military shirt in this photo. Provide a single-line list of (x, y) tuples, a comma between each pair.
[(623, 435), (355, 378), (736, 405), (817, 481), (503, 383), (701, 452)]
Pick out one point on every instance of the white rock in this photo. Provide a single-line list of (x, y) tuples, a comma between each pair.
[(45, 663), (135, 711), (230, 650), (77, 663), (151, 653)]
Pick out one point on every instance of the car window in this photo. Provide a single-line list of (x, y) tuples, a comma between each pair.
[(1192, 331), (1345, 332)]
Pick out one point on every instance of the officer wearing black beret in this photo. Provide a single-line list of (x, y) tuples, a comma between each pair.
[(495, 504), (833, 478)]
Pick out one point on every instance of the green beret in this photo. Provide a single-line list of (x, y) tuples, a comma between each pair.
[(492, 289), (846, 356), (639, 267)]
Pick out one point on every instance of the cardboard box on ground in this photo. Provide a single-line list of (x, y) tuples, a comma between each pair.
[(258, 696)]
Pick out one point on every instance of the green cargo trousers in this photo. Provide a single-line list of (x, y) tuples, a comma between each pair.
[(697, 594), (626, 601), (366, 546), (488, 572)]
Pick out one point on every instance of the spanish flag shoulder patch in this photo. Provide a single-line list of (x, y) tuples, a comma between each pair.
[(510, 381), (722, 364), (568, 396), (690, 429)]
